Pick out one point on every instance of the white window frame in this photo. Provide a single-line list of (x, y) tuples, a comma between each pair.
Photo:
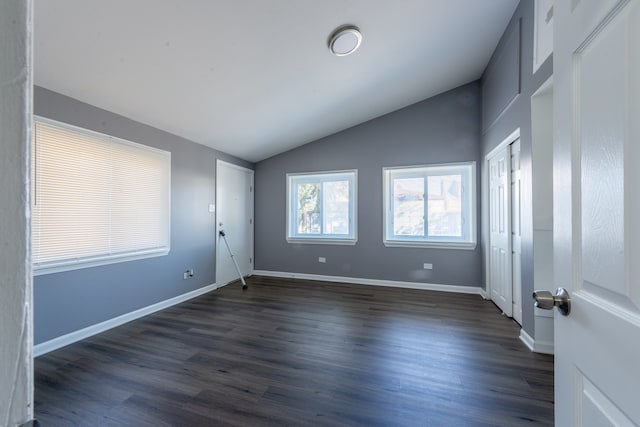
[(469, 237), (321, 177), (112, 256)]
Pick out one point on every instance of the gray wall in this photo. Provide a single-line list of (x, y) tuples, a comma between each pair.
[(68, 301), (445, 128), (507, 86)]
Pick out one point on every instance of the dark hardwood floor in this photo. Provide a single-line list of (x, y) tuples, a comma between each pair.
[(292, 352)]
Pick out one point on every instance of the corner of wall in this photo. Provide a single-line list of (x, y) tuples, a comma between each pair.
[(16, 86)]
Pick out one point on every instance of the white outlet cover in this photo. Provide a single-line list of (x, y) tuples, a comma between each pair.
[(322, 259), (428, 266), (212, 208)]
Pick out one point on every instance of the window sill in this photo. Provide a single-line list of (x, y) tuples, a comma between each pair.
[(76, 264), (431, 245), (321, 241)]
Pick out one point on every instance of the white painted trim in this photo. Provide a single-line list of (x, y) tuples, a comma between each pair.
[(476, 290), (89, 331), (234, 166), (505, 142), (544, 88), (536, 346), (545, 347), (76, 264), (426, 244), (321, 241), (539, 59), (526, 339)]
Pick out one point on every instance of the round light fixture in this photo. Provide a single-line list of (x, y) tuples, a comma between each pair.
[(345, 40)]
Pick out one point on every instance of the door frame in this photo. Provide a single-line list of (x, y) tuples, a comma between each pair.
[(219, 246), (515, 135), (542, 213), (515, 207)]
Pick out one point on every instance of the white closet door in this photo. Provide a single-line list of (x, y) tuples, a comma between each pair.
[(500, 234)]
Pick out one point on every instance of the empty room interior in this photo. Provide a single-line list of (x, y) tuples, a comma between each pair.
[(393, 213)]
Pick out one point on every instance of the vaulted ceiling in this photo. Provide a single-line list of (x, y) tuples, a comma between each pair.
[(254, 78)]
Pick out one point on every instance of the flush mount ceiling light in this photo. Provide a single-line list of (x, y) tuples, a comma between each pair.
[(345, 40)]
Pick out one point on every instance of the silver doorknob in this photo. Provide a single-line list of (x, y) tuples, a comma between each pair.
[(546, 301)]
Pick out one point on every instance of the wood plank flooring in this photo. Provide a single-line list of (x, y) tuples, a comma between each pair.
[(293, 352)]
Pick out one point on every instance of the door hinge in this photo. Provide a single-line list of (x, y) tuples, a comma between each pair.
[(250, 221), (250, 188), (250, 260)]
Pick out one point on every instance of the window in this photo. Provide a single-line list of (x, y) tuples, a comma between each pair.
[(430, 206), (321, 207), (96, 199)]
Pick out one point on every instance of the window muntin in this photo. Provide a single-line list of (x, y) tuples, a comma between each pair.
[(96, 199), (431, 206), (321, 207)]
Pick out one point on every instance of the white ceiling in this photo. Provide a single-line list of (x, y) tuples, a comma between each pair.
[(254, 78)]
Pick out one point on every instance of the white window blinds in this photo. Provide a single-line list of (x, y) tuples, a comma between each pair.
[(96, 199)]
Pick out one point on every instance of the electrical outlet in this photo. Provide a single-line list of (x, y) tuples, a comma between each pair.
[(428, 266), (322, 259), (185, 275)]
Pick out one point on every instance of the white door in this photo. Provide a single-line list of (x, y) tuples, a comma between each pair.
[(516, 234), (499, 234), (234, 215), (597, 211)]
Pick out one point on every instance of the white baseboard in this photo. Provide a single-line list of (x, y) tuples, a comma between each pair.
[(476, 290), (64, 340), (535, 346), (526, 339)]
